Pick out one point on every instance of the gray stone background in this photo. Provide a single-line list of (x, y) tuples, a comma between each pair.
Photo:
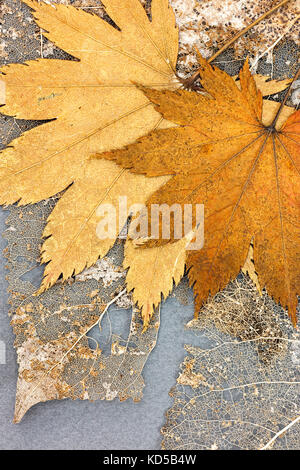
[(101, 425)]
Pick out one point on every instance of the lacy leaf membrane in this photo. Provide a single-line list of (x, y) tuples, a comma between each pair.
[(239, 387), (58, 354)]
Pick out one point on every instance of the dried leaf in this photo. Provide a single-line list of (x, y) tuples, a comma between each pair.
[(229, 157), (162, 267), (267, 86), (73, 242), (152, 272), (238, 387)]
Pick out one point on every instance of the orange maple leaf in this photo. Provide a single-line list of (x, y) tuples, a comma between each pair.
[(242, 167)]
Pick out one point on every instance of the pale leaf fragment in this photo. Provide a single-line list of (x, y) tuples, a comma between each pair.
[(153, 272)]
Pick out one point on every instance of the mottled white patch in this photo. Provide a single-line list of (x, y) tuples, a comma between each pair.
[(102, 270), (110, 395), (296, 93)]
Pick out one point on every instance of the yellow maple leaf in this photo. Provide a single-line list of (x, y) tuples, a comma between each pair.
[(96, 107)]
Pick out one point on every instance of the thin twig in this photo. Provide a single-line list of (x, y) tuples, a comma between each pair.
[(41, 40)]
